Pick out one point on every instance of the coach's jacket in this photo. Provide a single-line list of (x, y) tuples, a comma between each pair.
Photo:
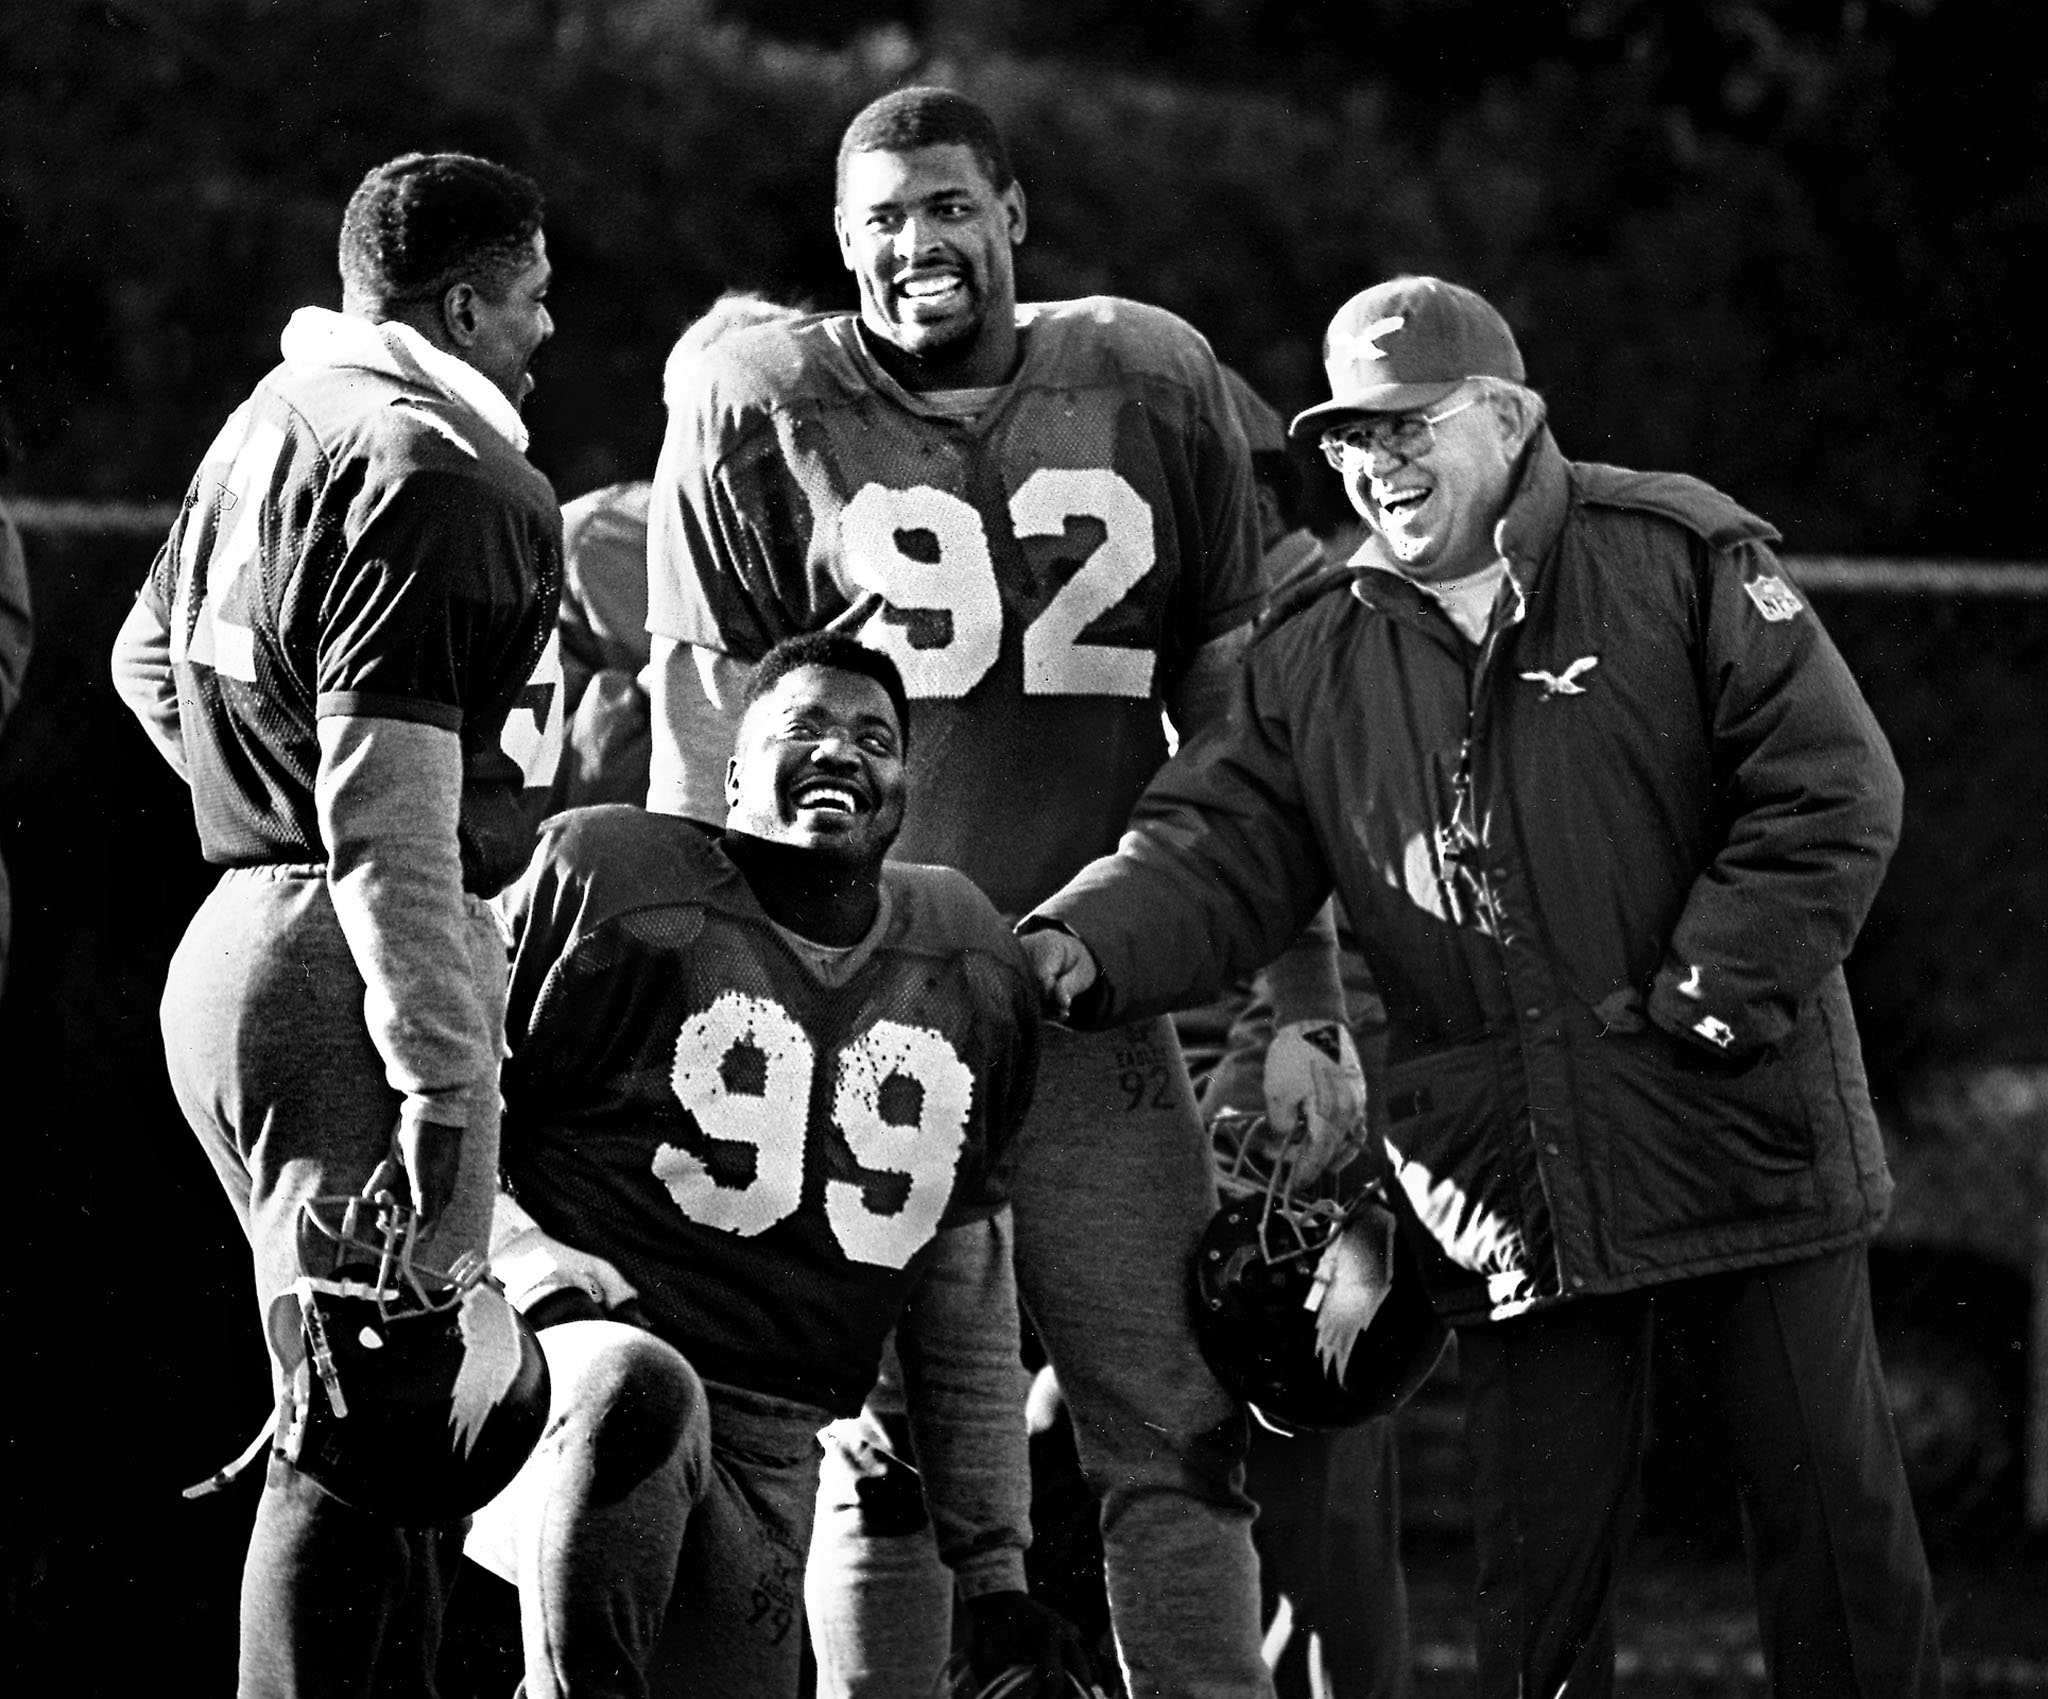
[(1605, 866)]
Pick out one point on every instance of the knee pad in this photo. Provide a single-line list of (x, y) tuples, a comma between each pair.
[(638, 1399)]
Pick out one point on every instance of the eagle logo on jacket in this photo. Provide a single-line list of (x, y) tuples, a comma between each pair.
[(1565, 683)]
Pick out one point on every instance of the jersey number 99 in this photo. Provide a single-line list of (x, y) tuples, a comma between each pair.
[(770, 1111)]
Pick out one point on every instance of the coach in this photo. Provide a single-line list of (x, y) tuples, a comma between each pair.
[(1607, 810)]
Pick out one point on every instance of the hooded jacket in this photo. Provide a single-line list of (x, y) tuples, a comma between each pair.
[(1605, 865)]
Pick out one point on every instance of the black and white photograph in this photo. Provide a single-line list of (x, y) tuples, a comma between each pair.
[(977, 849)]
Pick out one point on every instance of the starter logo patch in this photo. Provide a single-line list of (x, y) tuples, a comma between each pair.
[(1715, 1031), (1773, 597)]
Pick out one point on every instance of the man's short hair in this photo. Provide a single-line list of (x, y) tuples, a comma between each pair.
[(422, 223), (922, 116), (841, 653), (734, 310), (1533, 403)]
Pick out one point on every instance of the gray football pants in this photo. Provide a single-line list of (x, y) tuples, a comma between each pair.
[(657, 1533), (273, 1066), (1113, 1190)]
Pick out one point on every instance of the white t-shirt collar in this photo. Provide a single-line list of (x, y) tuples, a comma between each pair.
[(316, 337)]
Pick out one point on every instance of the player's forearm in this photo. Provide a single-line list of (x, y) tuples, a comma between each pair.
[(696, 718), (389, 795), (143, 679), (964, 1387), (1305, 982)]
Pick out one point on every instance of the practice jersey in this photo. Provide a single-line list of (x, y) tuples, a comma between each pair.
[(354, 543), (766, 1147), (1041, 574)]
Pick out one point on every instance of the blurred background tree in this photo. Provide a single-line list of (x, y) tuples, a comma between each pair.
[(1780, 244)]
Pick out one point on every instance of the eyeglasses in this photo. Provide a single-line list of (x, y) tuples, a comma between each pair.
[(1406, 435)]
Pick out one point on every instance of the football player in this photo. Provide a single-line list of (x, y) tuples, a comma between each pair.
[(328, 648), (762, 1093), (604, 601), (1044, 515)]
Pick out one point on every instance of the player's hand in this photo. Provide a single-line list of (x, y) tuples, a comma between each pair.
[(532, 1266), (429, 1155), (1015, 1645), (1063, 965), (1315, 1095)]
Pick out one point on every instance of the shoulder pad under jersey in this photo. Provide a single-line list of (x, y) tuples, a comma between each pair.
[(766, 365), (1131, 335), (945, 906)]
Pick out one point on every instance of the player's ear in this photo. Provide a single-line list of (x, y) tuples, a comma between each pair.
[(845, 238), (1013, 204), (459, 314)]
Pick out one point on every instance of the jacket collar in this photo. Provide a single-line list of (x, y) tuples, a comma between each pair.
[(1526, 535)]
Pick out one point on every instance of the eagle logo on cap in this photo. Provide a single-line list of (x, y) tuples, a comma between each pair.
[(1366, 344)]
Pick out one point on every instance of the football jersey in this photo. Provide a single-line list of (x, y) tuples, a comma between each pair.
[(764, 1146), (354, 543), (1041, 573), (604, 581)]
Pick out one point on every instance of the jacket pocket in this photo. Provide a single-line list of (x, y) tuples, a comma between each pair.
[(1698, 1151)]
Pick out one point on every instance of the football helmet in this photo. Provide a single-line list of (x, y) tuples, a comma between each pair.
[(415, 1394), (1254, 1292)]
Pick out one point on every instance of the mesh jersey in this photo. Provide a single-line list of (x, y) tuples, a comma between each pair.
[(353, 544), (766, 1156), (1041, 575)]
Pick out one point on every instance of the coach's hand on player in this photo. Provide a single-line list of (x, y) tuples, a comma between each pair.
[(1015, 1645), (1315, 1095), (1064, 966)]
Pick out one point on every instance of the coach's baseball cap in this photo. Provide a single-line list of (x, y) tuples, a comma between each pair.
[(1407, 343)]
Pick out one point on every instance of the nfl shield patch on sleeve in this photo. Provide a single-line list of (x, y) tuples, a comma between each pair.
[(1773, 597)]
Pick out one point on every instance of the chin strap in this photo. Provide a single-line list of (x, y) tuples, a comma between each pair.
[(221, 1477)]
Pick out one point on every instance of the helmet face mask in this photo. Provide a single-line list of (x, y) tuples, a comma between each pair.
[(1254, 1291), (415, 1394), (367, 1245)]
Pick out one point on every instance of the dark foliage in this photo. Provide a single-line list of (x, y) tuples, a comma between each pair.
[(1783, 246)]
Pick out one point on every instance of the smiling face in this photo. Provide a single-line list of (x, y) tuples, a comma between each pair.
[(819, 765), (1434, 512), (501, 335), (930, 239)]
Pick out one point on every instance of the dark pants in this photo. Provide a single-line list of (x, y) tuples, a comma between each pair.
[(1328, 1539), (336, 1603), (1784, 1361)]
